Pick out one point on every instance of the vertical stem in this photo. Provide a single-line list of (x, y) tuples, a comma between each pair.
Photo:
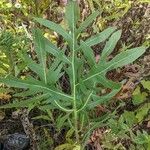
[(74, 94), (74, 86)]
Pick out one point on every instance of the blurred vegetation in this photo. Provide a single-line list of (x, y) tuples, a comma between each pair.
[(128, 129)]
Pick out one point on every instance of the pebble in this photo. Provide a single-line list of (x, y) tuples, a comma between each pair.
[(16, 141)]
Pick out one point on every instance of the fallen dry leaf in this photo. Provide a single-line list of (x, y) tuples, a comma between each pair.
[(5, 97), (148, 124)]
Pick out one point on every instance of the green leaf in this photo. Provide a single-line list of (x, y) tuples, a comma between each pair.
[(34, 67), (130, 118), (138, 96), (25, 103), (69, 135), (87, 22), (53, 26), (126, 57), (72, 14), (29, 92), (141, 138), (39, 46), (100, 37), (52, 49), (26, 84), (77, 147), (60, 122), (54, 75), (107, 83), (66, 146), (97, 100), (2, 66), (88, 53), (110, 45), (146, 84), (41, 53), (142, 112)]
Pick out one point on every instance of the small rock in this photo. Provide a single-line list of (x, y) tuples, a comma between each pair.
[(16, 141)]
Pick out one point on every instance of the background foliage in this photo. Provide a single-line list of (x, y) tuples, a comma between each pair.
[(130, 16)]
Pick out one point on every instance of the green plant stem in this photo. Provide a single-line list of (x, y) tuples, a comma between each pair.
[(62, 108), (74, 87), (74, 101), (85, 102)]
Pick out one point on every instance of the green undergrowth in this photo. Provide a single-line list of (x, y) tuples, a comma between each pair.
[(42, 87)]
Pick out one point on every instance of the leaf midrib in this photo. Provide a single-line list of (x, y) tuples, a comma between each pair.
[(36, 86), (43, 62)]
